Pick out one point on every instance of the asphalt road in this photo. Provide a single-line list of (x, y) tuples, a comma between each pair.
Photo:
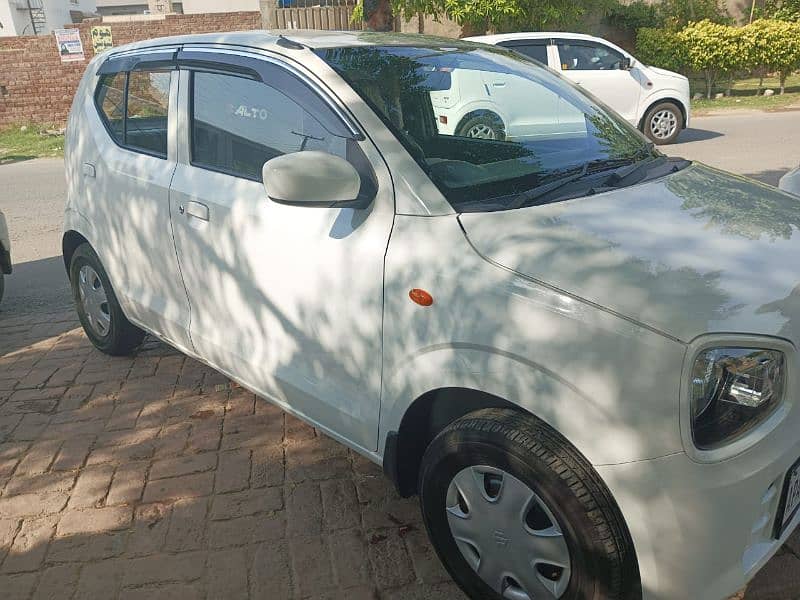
[(32, 193)]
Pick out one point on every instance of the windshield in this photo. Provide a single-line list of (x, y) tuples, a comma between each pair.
[(494, 130)]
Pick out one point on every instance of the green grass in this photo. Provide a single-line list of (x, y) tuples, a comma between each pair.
[(751, 102), (16, 144), (744, 94)]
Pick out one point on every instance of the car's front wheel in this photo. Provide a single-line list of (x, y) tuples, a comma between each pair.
[(486, 126), (515, 512), (98, 308), (663, 123)]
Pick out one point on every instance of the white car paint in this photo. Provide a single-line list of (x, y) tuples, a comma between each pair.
[(5, 252), (791, 182), (631, 92), (584, 313)]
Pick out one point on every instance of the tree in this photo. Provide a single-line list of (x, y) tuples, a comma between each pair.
[(479, 16), (782, 10), (661, 48), (680, 13), (775, 46), (711, 49)]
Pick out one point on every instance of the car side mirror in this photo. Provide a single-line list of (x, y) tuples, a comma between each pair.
[(311, 178), (626, 64)]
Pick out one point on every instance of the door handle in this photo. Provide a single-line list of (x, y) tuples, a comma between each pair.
[(88, 170), (198, 210), (499, 84)]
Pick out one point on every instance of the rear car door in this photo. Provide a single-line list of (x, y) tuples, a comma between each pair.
[(286, 299), (598, 68), (129, 158)]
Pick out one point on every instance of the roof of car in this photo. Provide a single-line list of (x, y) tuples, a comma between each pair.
[(525, 35), (313, 39)]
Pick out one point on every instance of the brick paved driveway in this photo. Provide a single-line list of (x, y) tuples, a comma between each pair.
[(147, 477)]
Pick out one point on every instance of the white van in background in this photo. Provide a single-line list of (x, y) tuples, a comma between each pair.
[(654, 100)]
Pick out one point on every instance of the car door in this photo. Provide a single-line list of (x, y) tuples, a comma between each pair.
[(598, 68), (129, 159), (288, 300)]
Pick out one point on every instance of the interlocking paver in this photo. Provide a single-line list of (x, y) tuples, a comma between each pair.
[(91, 487), (175, 488), (30, 545), (94, 520), (59, 581), (153, 477), (187, 525), (227, 574)]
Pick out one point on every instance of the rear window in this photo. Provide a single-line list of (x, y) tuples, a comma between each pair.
[(534, 50), (135, 109), (111, 102)]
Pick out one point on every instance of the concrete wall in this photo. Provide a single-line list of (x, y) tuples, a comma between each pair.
[(13, 20), (215, 6), (57, 14)]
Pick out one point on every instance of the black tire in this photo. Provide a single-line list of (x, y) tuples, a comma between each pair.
[(2, 286), (602, 558), (649, 129), (122, 336), (487, 120)]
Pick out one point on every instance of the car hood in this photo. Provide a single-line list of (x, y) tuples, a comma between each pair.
[(665, 73), (694, 252)]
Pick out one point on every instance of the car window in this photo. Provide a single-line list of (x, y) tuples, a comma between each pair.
[(140, 123), (531, 127), (147, 109), (239, 123), (531, 49), (111, 101), (579, 55)]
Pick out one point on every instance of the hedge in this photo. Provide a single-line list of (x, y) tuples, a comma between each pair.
[(716, 50)]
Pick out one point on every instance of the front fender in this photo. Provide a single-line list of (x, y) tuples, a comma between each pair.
[(607, 384), (532, 387)]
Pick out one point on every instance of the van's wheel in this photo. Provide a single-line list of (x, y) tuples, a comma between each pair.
[(487, 126), (663, 123), (2, 286), (98, 309), (514, 511)]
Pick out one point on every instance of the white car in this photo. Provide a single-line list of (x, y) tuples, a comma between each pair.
[(791, 182), (654, 100), (5, 253), (581, 354)]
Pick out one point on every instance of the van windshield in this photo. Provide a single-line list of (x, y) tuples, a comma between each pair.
[(493, 129)]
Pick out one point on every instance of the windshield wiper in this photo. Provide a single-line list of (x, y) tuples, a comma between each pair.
[(546, 188), (621, 169)]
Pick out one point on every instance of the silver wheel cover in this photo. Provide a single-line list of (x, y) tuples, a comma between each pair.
[(510, 537), (663, 124), (94, 301), (482, 131)]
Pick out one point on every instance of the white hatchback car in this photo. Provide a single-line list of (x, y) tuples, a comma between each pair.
[(580, 354), (654, 100)]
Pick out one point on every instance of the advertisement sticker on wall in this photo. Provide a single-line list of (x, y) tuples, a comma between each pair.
[(68, 42), (101, 38)]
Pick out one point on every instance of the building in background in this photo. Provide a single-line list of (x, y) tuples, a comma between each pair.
[(41, 17), (161, 7)]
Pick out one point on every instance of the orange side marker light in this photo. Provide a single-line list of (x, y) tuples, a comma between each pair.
[(421, 297)]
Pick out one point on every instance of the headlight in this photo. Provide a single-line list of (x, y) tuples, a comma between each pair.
[(733, 390)]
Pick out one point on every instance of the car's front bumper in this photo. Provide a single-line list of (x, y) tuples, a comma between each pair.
[(702, 531)]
